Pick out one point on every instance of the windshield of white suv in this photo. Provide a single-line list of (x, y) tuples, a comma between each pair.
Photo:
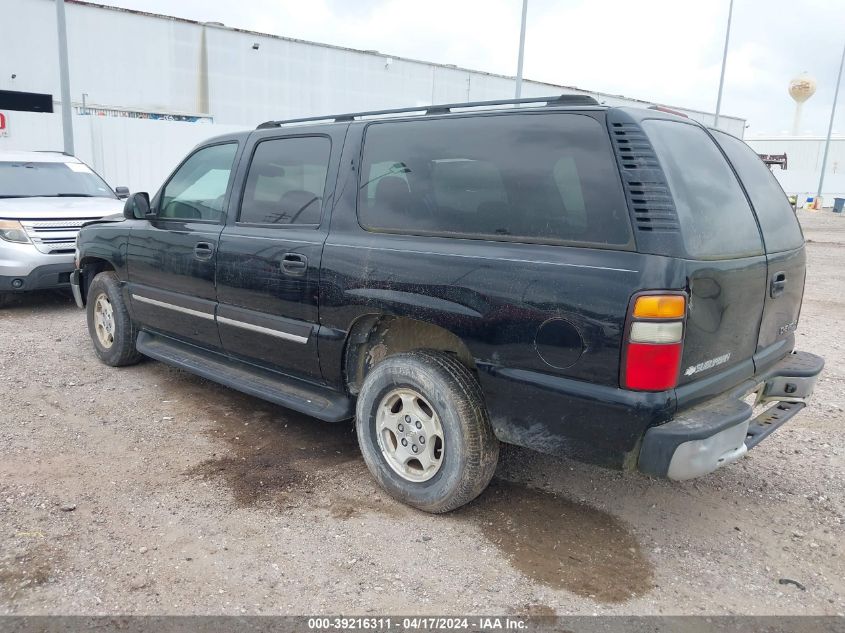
[(31, 179)]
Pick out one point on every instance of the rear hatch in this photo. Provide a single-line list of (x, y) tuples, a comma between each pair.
[(744, 302), (784, 245)]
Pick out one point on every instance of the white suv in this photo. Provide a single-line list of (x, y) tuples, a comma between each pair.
[(45, 197)]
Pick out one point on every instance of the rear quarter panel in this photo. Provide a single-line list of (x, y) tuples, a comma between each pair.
[(495, 297)]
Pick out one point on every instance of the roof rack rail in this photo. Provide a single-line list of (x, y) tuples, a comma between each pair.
[(445, 108)]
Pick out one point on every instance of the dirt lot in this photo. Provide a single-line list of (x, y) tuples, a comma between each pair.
[(147, 490)]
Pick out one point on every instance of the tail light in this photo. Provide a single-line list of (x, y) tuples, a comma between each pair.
[(654, 339)]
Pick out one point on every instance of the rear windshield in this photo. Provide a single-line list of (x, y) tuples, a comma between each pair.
[(716, 221), (781, 231), (530, 177), (30, 179)]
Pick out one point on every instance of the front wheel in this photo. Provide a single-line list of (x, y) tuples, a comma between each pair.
[(109, 325), (423, 430)]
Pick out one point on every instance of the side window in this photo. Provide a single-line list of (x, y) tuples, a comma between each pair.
[(462, 185), (378, 171), (714, 215), (533, 177), (781, 230), (197, 191), (568, 182), (286, 181)]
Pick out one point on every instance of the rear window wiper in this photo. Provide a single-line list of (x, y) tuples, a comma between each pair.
[(4, 196)]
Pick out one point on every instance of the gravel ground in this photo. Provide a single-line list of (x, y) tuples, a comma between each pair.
[(146, 490)]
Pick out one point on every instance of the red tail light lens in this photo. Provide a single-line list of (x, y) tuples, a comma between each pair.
[(653, 342), (652, 367)]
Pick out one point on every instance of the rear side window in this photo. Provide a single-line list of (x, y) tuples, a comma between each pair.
[(286, 181), (529, 177), (466, 185), (716, 221), (781, 231)]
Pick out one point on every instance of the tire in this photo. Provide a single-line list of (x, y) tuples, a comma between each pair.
[(5, 299), (450, 402), (114, 337)]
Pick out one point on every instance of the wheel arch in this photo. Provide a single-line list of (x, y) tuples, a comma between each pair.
[(91, 266), (374, 337)]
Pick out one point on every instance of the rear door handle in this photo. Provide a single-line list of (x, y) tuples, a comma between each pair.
[(294, 263), (778, 284), (203, 250)]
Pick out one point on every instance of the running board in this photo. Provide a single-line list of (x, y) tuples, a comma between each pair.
[(282, 390)]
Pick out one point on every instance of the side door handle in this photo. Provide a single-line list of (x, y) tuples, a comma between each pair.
[(778, 284), (294, 263), (203, 250)]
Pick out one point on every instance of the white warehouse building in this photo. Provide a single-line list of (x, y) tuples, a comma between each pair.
[(803, 164), (145, 88)]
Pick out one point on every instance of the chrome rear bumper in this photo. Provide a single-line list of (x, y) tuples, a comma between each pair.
[(720, 431)]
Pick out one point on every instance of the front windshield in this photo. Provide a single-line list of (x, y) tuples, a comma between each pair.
[(30, 179)]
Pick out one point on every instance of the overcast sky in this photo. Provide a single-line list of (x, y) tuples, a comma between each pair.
[(666, 51)]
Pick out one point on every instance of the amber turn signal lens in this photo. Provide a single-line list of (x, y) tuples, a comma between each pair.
[(660, 307)]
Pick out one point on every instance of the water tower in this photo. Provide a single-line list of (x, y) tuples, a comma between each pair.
[(801, 88)]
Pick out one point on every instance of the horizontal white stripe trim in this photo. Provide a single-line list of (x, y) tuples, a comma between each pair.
[(170, 306), (263, 330), (498, 259)]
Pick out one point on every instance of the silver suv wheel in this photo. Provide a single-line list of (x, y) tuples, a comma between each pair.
[(109, 323), (104, 320), (410, 435), (424, 431)]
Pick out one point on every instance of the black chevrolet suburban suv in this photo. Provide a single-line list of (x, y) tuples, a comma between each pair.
[(618, 285)]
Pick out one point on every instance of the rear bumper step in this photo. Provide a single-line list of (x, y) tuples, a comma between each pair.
[(770, 420), (720, 431)]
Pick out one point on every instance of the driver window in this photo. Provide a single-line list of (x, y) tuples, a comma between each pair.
[(197, 190)]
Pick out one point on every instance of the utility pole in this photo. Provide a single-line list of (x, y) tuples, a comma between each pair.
[(67, 117), (522, 50), (830, 125), (724, 63)]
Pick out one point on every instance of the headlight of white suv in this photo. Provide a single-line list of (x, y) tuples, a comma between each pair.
[(13, 231)]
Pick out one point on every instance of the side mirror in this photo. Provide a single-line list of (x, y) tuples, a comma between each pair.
[(122, 192), (137, 206)]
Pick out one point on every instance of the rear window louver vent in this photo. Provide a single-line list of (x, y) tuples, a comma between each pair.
[(645, 184)]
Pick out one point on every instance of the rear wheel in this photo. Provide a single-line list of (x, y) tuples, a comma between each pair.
[(424, 432), (109, 325)]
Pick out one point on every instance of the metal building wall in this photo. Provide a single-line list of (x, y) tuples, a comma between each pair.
[(804, 159), (156, 63), (135, 153)]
